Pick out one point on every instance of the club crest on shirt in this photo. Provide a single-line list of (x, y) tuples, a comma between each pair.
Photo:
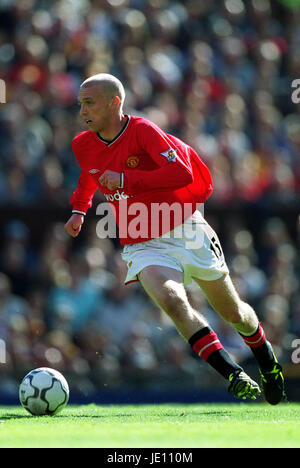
[(132, 161), (170, 154)]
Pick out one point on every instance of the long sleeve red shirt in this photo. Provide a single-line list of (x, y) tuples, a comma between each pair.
[(163, 177)]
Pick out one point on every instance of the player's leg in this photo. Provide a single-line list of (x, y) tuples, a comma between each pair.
[(165, 287), (225, 300)]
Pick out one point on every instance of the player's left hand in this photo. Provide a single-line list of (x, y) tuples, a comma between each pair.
[(110, 179)]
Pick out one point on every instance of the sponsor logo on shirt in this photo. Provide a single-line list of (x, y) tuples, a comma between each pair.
[(116, 196)]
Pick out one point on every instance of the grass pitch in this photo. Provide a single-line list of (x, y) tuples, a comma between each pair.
[(142, 426)]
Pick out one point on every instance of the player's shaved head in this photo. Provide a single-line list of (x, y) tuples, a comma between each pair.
[(109, 85)]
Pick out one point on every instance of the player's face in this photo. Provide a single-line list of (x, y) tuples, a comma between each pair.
[(94, 108)]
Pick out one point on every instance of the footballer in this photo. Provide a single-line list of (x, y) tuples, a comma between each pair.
[(136, 165)]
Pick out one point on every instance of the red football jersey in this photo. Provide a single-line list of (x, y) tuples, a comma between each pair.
[(163, 178)]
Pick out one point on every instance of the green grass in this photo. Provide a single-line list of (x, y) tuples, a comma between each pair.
[(168, 426)]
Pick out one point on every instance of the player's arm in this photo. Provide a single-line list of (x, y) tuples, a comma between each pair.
[(175, 169), (81, 201)]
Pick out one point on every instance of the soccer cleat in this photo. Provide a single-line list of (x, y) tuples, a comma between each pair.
[(241, 386), (273, 385)]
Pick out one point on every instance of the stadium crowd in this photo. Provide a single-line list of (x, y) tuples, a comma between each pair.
[(218, 75)]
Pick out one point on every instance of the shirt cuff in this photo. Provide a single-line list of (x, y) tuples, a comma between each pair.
[(79, 212), (121, 180)]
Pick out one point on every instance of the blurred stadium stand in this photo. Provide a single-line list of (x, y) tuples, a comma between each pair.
[(218, 74)]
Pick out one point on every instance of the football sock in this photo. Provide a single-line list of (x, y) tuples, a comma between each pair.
[(206, 344), (261, 348)]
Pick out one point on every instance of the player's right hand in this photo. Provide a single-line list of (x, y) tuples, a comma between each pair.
[(73, 226)]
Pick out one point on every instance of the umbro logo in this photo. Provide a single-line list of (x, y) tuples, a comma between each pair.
[(94, 171)]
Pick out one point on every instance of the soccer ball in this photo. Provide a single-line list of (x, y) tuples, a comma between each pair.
[(44, 391)]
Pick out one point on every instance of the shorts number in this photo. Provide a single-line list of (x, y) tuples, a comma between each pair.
[(215, 247)]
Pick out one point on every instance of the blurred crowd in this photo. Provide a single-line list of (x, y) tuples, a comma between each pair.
[(217, 74)]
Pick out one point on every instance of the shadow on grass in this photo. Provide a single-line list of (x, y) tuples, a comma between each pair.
[(7, 417)]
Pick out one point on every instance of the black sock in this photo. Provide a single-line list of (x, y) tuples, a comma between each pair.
[(261, 349), (206, 344)]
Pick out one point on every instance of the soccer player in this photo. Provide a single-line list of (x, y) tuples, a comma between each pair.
[(141, 169)]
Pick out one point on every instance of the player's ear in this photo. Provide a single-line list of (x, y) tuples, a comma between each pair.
[(115, 102)]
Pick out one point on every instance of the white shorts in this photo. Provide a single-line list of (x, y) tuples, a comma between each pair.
[(192, 248)]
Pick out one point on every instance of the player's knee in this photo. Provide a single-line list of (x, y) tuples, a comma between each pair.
[(234, 314), (174, 305), (235, 317)]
